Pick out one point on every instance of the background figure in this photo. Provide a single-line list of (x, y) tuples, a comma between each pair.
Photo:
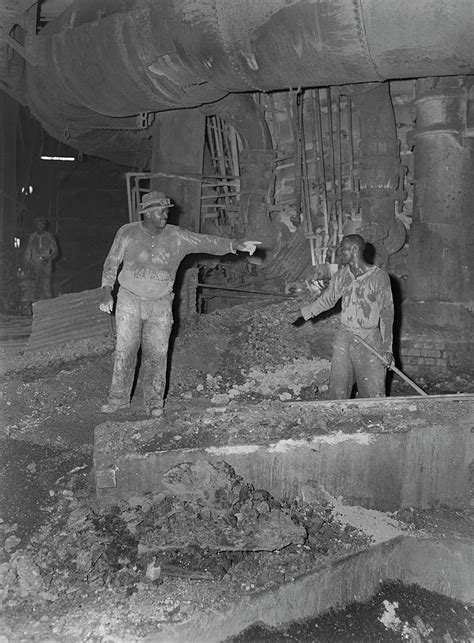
[(41, 251)]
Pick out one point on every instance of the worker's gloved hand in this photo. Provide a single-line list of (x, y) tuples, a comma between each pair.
[(389, 360), (248, 246), (107, 303), (296, 318)]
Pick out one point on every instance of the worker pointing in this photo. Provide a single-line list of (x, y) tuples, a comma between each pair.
[(150, 252)]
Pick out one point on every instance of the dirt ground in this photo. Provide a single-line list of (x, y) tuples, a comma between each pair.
[(395, 613), (72, 571)]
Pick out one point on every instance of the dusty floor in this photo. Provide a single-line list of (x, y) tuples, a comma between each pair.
[(70, 571)]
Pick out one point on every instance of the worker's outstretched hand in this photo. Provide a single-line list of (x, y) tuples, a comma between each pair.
[(389, 360), (248, 246), (107, 303), (296, 318)]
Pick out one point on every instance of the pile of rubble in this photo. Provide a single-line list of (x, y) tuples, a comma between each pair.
[(300, 379), (210, 536), (251, 354)]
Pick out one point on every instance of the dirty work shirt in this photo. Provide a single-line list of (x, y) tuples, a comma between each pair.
[(367, 302), (150, 261), (41, 247)]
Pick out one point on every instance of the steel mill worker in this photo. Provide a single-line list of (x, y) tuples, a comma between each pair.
[(150, 251), (367, 312), (40, 253)]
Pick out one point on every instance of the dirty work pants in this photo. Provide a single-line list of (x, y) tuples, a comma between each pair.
[(353, 363), (40, 279), (145, 322)]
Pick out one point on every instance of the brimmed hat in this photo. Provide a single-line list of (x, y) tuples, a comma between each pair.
[(154, 200)]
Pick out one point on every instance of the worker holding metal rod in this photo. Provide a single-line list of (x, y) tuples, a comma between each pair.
[(367, 313)]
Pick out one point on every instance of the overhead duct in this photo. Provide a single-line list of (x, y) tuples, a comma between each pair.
[(380, 169), (102, 67), (101, 64)]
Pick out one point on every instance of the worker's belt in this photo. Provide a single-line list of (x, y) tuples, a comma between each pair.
[(362, 332)]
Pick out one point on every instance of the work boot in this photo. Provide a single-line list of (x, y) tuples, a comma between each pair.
[(113, 407)]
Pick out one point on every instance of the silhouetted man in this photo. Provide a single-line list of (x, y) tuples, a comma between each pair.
[(40, 253)]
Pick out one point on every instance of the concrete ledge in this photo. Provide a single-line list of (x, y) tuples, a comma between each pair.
[(418, 464), (443, 565), (394, 453), (354, 578)]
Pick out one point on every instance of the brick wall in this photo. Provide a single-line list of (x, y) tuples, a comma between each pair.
[(424, 354), (434, 354)]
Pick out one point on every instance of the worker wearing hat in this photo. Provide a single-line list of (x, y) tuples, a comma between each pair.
[(150, 252)]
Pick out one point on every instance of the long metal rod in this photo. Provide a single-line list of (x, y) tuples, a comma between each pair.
[(129, 196), (253, 292), (322, 173), (316, 242), (377, 402), (331, 142), (392, 368), (14, 44), (332, 156), (184, 177), (297, 139), (305, 191), (339, 168), (351, 142)]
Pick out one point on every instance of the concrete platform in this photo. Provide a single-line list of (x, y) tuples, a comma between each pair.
[(443, 565), (383, 454)]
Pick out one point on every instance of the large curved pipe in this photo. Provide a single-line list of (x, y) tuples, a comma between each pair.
[(103, 63)]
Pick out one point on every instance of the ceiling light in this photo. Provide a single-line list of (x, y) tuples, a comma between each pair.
[(57, 158)]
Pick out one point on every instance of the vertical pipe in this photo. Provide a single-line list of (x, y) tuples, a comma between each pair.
[(56, 191), (307, 218), (352, 174), (317, 254), (314, 139), (339, 169), (297, 134), (319, 134), (9, 118), (129, 197), (304, 169), (333, 214), (441, 259), (331, 142)]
